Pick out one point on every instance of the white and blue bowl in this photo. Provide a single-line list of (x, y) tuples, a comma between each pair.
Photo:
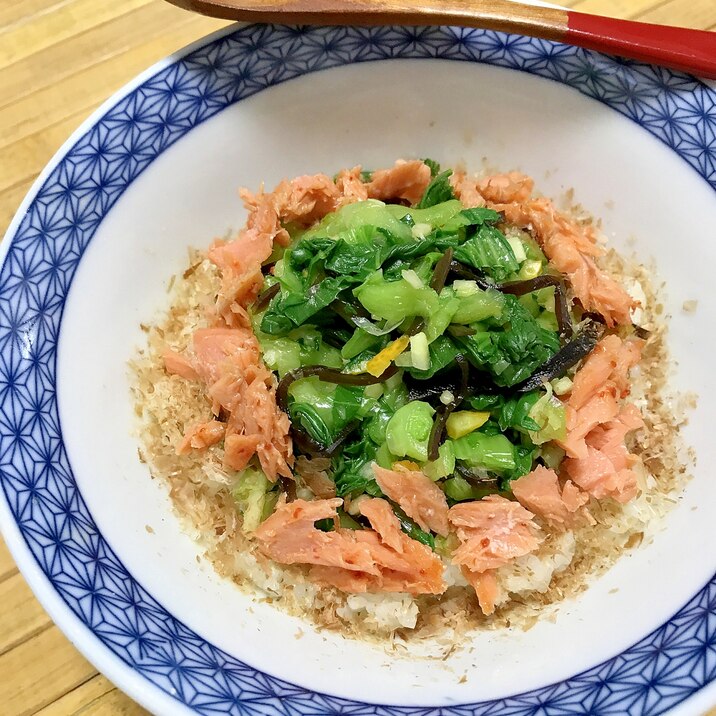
[(155, 170)]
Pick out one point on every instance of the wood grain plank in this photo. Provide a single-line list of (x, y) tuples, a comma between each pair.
[(22, 39), (43, 669), (7, 563), (89, 87), (24, 11), (23, 160), (83, 697), (67, 58), (615, 8), (694, 13), (114, 702), (22, 616)]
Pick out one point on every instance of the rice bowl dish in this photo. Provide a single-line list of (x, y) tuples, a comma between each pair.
[(408, 398), (118, 561)]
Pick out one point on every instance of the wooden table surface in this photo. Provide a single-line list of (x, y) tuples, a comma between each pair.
[(59, 59)]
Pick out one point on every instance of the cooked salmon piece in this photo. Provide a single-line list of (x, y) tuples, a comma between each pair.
[(351, 186), (383, 520), (177, 364), (263, 215), (540, 492), (597, 458), (488, 591), (419, 497), (239, 449), (609, 362), (606, 470), (466, 190), (211, 347), (571, 248), (602, 379), (405, 565), (253, 411), (554, 230), (201, 436), (289, 536), (247, 251), (406, 181), (492, 532), (382, 559), (228, 361), (241, 259), (612, 434), (600, 477), (306, 199), (214, 347), (599, 409), (506, 188)]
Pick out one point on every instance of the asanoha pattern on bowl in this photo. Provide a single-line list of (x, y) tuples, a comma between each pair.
[(48, 242)]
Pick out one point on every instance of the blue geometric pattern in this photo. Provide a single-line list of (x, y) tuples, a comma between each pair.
[(649, 678)]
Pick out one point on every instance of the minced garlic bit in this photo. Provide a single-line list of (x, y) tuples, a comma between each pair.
[(690, 306), (446, 397)]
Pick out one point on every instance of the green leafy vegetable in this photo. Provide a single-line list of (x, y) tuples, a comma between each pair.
[(515, 413), (361, 341), (438, 191), (488, 250), (311, 422), (549, 415), (289, 310), (513, 347), (444, 465), (351, 223), (408, 431), (479, 306), (536, 414), (524, 457), (480, 215), (395, 301), (433, 166), (437, 216), (251, 496), (442, 316), (442, 354), (353, 474), (494, 453)]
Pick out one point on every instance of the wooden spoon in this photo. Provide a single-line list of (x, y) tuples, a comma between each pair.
[(692, 51)]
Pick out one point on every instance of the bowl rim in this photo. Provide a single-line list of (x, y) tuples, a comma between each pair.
[(123, 674)]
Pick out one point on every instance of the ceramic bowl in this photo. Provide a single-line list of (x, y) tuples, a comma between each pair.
[(155, 170)]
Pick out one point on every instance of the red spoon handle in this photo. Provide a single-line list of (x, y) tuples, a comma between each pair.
[(692, 51)]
